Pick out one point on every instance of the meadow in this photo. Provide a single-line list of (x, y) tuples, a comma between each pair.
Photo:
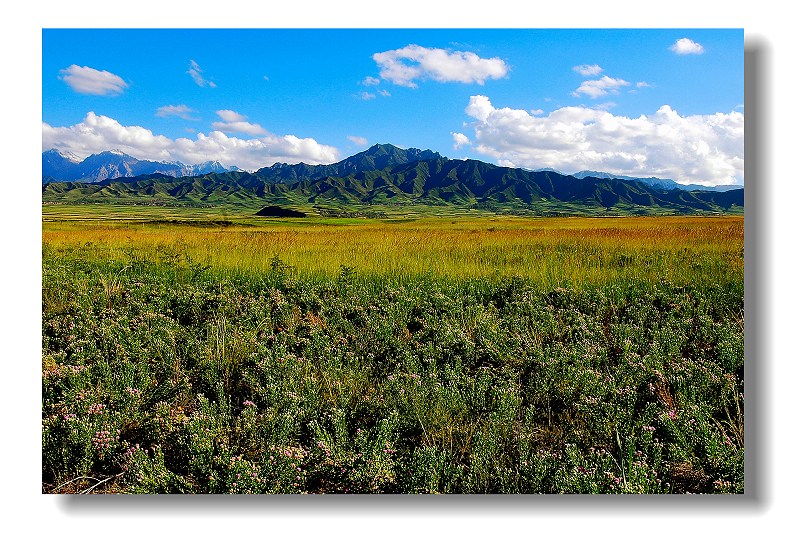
[(203, 350)]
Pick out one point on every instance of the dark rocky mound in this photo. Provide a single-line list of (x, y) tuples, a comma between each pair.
[(277, 211)]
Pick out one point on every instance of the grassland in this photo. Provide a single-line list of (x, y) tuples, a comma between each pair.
[(550, 251), (201, 350)]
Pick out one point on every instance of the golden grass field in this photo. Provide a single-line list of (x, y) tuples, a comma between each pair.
[(551, 251)]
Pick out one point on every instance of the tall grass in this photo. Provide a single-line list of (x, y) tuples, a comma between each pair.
[(550, 251)]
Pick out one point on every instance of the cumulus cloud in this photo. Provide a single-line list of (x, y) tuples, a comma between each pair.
[(459, 140), (600, 87), (360, 141), (197, 75), (405, 66), (371, 81), (587, 70), (643, 84), (233, 122), (703, 149), (97, 133), (686, 46), (181, 111), (384, 93), (86, 80), (366, 96)]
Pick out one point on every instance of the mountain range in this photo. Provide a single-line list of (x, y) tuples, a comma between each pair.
[(387, 175), (60, 166), (663, 183)]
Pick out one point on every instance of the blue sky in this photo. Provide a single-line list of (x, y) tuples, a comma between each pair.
[(665, 103)]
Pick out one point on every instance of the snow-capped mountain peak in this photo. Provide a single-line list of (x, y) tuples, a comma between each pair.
[(65, 166)]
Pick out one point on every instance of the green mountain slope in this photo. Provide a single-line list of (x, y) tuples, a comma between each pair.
[(403, 180)]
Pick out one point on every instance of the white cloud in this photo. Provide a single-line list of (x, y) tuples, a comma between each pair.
[(197, 75), (384, 93), (266, 78), (643, 84), (360, 141), (459, 140), (686, 46), (587, 70), (371, 81), (233, 122), (537, 112), (366, 96), (86, 80), (181, 111), (604, 106), (703, 149), (411, 63), (98, 133), (228, 115), (600, 87)]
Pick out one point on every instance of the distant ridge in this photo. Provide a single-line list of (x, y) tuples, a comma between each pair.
[(388, 175), (60, 166), (662, 183)]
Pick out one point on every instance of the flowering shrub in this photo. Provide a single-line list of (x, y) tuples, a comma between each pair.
[(181, 381), (359, 462)]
